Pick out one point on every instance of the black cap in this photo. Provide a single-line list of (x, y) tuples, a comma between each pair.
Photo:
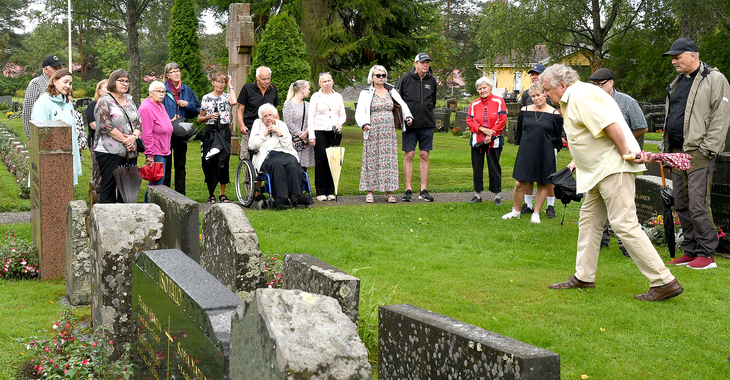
[(420, 57), (682, 45), (601, 74), (52, 61), (538, 68)]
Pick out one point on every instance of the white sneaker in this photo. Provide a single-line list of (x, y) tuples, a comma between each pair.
[(535, 218), (331, 197), (322, 198), (512, 214)]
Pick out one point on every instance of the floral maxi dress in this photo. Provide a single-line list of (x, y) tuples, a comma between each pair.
[(380, 151)]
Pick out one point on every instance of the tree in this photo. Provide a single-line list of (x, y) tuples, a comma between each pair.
[(10, 19), (48, 38), (283, 51), (185, 46), (111, 54), (585, 26)]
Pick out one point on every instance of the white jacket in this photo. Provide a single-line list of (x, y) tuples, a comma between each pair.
[(362, 113), (324, 112), (266, 142)]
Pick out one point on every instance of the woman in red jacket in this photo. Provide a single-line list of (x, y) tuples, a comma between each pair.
[(487, 117)]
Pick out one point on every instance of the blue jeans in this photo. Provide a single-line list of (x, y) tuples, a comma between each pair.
[(162, 159)]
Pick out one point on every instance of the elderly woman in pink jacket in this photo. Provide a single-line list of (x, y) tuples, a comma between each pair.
[(156, 129)]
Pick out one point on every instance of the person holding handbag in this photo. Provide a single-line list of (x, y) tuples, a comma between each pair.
[(180, 103), (295, 117), (56, 104), (156, 129), (374, 114), (118, 126), (215, 147)]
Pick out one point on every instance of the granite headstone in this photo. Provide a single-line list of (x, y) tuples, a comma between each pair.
[(78, 255), (182, 220)]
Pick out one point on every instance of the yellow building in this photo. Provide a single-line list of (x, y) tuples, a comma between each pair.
[(507, 77)]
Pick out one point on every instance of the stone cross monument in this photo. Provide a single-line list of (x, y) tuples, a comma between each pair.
[(240, 41)]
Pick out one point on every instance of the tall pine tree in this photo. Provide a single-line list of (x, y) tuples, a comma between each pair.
[(185, 47), (281, 49)]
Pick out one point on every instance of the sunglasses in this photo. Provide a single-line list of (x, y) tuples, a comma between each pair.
[(380, 75)]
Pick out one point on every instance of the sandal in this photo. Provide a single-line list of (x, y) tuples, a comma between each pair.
[(391, 199), (223, 198), (369, 198), (211, 199)]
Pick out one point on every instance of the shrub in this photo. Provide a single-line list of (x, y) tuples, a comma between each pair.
[(17, 163), (20, 93), (185, 47), (18, 258)]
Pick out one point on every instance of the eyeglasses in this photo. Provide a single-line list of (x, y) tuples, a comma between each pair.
[(123, 82), (380, 75), (600, 84), (325, 73), (174, 71), (159, 91)]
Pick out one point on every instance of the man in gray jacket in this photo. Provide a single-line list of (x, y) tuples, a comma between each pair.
[(698, 114)]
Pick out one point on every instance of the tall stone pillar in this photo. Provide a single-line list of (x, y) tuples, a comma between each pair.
[(240, 41), (51, 188)]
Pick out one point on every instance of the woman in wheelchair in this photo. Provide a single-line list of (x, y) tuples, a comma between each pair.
[(277, 157)]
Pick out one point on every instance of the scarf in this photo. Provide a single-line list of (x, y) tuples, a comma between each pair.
[(174, 90)]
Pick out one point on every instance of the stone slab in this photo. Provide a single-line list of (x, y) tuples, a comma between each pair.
[(182, 220), (415, 343), (312, 275), (119, 232), (182, 316), (78, 255), (230, 248), (289, 334), (51, 188)]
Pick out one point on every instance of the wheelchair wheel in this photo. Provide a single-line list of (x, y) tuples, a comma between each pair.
[(245, 180)]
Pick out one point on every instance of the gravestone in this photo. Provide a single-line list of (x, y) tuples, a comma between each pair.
[(78, 255), (7, 100), (51, 188), (511, 126), (415, 343), (182, 316), (312, 275), (720, 202), (182, 220), (290, 334), (350, 113), (647, 197), (118, 233), (444, 116), (230, 248), (460, 120), (240, 41)]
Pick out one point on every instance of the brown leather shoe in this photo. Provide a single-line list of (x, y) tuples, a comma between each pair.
[(661, 293), (573, 282)]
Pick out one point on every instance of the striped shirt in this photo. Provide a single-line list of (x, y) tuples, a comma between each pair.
[(36, 88)]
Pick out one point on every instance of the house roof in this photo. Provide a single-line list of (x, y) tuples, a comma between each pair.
[(540, 54)]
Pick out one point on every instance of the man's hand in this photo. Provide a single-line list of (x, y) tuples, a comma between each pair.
[(571, 166)]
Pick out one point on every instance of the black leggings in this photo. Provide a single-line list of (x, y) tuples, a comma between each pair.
[(323, 182), (493, 166), (107, 189)]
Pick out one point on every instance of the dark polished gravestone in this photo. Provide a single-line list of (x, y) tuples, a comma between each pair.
[(415, 344), (647, 197), (182, 317)]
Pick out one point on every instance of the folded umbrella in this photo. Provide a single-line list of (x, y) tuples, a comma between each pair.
[(565, 187), (152, 172), (679, 161), (128, 181), (334, 157), (668, 201)]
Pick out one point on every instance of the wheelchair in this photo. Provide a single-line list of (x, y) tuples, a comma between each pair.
[(252, 186)]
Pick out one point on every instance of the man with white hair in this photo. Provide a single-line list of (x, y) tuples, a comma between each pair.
[(250, 98), (598, 137)]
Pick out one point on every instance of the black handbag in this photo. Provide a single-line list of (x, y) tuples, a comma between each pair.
[(181, 128)]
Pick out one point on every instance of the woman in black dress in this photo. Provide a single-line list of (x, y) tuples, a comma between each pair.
[(539, 135)]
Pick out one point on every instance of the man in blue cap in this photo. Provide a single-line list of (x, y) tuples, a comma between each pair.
[(697, 120)]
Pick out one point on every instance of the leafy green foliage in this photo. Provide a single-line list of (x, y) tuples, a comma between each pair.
[(185, 46), (214, 52), (281, 49), (112, 54), (18, 258), (48, 38)]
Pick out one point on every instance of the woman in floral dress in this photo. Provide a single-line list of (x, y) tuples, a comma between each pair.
[(374, 115)]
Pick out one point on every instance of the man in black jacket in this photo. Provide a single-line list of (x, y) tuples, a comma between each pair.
[(418, 90)]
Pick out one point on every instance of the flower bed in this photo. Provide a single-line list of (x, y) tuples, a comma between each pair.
[(16, 162), (18, 258)]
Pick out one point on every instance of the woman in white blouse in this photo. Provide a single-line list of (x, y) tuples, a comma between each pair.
[(325, 119)]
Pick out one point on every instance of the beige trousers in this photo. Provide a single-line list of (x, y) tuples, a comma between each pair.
[(614, 197)]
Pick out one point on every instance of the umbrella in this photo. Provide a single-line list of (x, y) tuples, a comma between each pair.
[(128, 181), (679, 161), (565, 187), (668, 201), (334, 157)]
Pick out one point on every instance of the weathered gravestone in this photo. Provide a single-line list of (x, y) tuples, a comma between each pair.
[(230, 248), (118, 233), (312, 275), (51, 188), (460, 120), (8, 100), (289, 334), (78, 255), (182, 316), (415, 343), (182, 216)]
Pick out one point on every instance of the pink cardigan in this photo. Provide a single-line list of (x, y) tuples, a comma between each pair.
[(156, 128)]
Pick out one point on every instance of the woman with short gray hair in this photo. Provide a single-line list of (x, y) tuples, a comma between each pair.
[(156, 129)]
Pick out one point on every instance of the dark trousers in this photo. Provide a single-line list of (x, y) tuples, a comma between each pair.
[(495, 169), (177, 158), (285, 173), (323, 182), (692, 202), (107, 190)]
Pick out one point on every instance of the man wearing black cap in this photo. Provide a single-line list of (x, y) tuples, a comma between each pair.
[(418, 90), (634, 117), (526, 208), (36, 87), (697, 120)]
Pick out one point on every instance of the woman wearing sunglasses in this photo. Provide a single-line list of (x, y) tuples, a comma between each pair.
[(374, 115)]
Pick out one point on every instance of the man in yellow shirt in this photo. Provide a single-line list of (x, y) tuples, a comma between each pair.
[(598, 137)]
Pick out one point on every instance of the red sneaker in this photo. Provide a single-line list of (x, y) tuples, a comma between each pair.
[(702, 263), (682, 260)]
